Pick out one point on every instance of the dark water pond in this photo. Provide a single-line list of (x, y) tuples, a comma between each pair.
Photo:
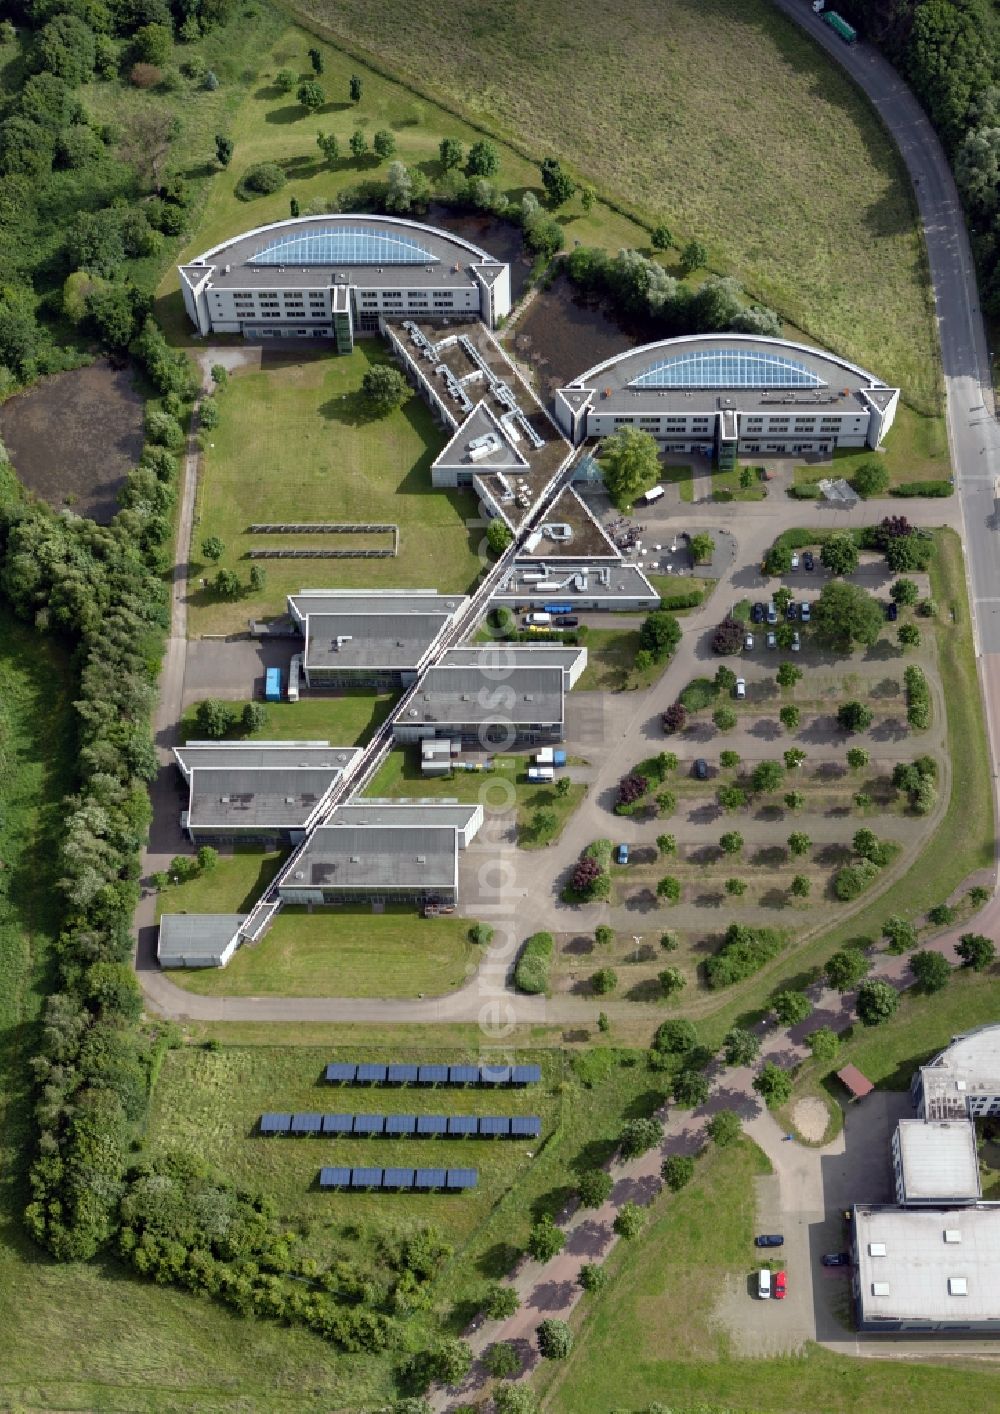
[(73, 437), (501, 239), (565, 331)]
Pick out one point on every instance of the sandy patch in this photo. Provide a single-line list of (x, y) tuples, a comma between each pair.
[(811, 1119)]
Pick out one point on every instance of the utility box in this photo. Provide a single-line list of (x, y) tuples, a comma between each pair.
[(272, 685)]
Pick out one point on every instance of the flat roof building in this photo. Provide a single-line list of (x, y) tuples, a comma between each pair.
[(466, 820), (935, 1163), (927, 1270), (378, 640), (395, 863), (535, 584), (197, 939), (338, 277), (496, 658), (731, 395), (963, 1080), (498, 709)]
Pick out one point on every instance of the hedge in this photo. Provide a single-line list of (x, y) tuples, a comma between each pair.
[(688, 599), (806, 491), (532, 971), (744, 951), (922, 488), (918, 698)]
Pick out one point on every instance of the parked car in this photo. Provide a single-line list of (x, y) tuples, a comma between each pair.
[(792, 611), (772, 612), (764, 1283), (805, 612), (772, 639), (757, 613), (748, 642), (796, 642), (795, 560), (770, 1239), (836, 1259), (780, 1286), (701, 769), (567, 621), (621, 854), (808, 563), (892, 611), (741, 687)]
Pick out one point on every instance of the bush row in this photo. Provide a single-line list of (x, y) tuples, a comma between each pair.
[(685, 599), (532, 971), (744, 951), (922, 488), (918, 698)]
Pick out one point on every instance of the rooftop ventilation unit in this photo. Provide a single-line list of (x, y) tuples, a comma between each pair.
[(952, 1234), (355, 858), (876, 1249), (958, 1286), (880, 1288)]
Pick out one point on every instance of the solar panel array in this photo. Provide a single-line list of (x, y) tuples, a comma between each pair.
[(377, 1126), (370, 1073), (343, 245), (417, 1180), (727, 368)]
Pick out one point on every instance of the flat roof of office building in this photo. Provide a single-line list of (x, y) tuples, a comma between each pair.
[(476, 695), (587, 538), (716, 372), (377, 856), (314, 252), (939, 1160), (928, 1264), (373, 601), (277, 797), (374, 640), (261, 755), (196, 936), (426, 811), (568, 580), (970, 1066), (496, 658)]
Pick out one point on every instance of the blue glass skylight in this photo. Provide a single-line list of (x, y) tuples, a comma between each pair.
[(343, 245), (727, 368)]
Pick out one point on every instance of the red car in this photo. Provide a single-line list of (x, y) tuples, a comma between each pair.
[(779, 1286)]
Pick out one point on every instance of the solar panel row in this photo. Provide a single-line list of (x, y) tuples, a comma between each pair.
[(405, 1126), (368, 1073), (419, 1180)]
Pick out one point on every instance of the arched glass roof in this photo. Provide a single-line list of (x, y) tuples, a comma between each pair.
[(343, 245), (727, 368)]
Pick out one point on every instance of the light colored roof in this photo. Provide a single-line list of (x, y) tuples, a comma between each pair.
[(388, 639), (481, 696), (500, 655), (569, 580), (201, 936), (970, 1066), (922, 1258), (362, 856), (258, 755), (939, 1160), (427, 811), (372, 601)]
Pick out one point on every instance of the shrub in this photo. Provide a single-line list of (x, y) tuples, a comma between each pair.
[(481, 934), (675, 1038), (144, 75), (638, 1136), (877, 1001), (724, 1128), (502, 1361), (532, 971), (594, 1188), (630, 1221), (729, 759), (674, 719), (851, 881), (918, 698), (725, 718), (728, 637), (871, 479), (262, 179), (922, 488), (745, 950), (545, 1240), (592, 1277), (976, 951), (677, 1171), (942, 914), (605, 980), (931, 971)]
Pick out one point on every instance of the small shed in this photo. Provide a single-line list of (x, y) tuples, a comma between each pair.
[(851, 1078)]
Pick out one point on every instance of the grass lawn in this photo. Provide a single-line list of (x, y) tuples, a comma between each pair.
[(915, 449), (295, 442), (611, 657), (498, 789), (347, 719), (651, 1330), (334, 953), (726, 486), (231, 887), (755, 176)]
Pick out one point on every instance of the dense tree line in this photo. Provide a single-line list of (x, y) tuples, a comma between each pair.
[(949, 52)]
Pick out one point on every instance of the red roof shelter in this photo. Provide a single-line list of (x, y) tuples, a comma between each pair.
[(852, 1079)]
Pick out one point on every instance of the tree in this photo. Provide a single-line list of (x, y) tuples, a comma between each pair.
[(253, 718), (545, 1240), (604, 936), (908, 635), (638, 1136), (310, 94), (740, 1046), (451, 1361), (793, 758), (791, 1007), (854, 717), (284, 80), (931, 971), (731, 842), (263, 178), (603, 1024), (502, 1361), (630, 464), (788, 675), (766, 777), (659, 634), (801, 886), (329, 146), (384, 388), (594, 1188), (669, 888), (358, 143), (484, 159), (732, 797), (223, 149), (857, 758), (795, 799), (227, 584), (316, 60), (871, 479), (671, 980), (736, 887), (588, 196), (293, 207), (674, 719), (207, 858), (563, 787), (693, 257), (500, 1301), (213, 718), (212, 548), (976, 951), (690, 1088), (773, 1085), (666, 844), (799, 843), (555, 1339), (824, 1043), (674, 1038), (383, 144), (592, 1277), (724, 1128), (661, 236), (152, 44), (724, 718), (789, 718), (844, 615), (729, 759), (559, 185), (702, 548), (515, 1399), (451, 153), (839, 554), (604, 980), (728, 636), (904, 591), (630, 1221), (355, 89), (778, 559), (498, 536), (877, 1001), (782, 598), (941, 915), (677, 1171), (900, 934)]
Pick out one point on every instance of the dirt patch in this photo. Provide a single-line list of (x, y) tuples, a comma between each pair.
[(811, 1119), (73, 438)]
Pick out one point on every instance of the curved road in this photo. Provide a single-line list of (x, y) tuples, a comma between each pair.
[(974, 439)]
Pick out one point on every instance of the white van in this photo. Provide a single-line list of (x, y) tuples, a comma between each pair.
[(537, 620), (653, 494), (539, 774), (764, 1283)]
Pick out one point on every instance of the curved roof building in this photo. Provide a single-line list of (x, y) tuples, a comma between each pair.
[(730, 394), (335, 276)]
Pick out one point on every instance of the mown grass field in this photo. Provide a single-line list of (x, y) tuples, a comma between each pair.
[(649, 1336), (718, 116), (344, 719), (231, 887), (915, 449), (296, 443)]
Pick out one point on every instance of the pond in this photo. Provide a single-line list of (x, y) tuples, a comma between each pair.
[(73, 437), (501, 239), (565, 331)]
